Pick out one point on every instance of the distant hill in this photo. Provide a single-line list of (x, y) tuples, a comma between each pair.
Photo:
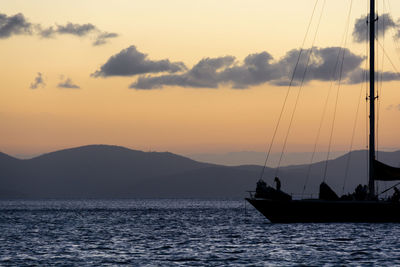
[(89, 171), (101, 171), (253, 157)]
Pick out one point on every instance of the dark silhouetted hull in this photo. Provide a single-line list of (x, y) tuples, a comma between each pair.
[(314, 210)]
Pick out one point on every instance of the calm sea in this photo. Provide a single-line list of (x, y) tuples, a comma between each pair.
[(181, 233)]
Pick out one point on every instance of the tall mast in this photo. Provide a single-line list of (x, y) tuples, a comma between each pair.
[(371, 182)]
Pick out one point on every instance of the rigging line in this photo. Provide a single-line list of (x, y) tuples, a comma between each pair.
[(317, 137), (353, 133), (338, 90), (376, 87), (380, 81), (366, 128), (377, 79), (388, 58), (366, 103), (332, 126), (318, 132), (300, 88), (363, 79), (381, 88), (290, 124), (288, 91), (388, 189)]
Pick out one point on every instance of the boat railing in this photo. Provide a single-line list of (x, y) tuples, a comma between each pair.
[(303, 196), (293, 195), (251, 193)]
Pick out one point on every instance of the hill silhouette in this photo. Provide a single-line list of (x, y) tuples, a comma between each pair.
[(102, 171)]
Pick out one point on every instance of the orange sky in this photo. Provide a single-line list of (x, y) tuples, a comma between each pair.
[(176, 119)]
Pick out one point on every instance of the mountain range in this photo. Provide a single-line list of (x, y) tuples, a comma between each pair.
[(254, 157), (103, 171)]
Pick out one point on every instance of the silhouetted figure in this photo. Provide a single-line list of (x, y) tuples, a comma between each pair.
[(267, 192), (361, 192), (358, 189), (396, 195), (261, 189), (365, 190), (278, 183)]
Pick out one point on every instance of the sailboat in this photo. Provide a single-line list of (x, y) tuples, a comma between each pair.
[(279, 207)]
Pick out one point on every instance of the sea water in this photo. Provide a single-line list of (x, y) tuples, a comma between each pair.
[(181, 232)]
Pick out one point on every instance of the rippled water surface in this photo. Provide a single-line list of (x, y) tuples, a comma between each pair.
[(181, 232)]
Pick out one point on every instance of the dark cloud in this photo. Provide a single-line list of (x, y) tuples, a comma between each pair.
[(79, 30), (102, 38), (384, 23), (68, 84), (130, 62), (48, 32), (39, 81), (258, 69), (14, 25), (69, 28), (203, 75), (360, 75), (324, 64), (391, 107), (17, 25), (76, 29)]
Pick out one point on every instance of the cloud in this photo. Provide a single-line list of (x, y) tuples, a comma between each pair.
[(391, 107), (384, 23), (47, 33), (257, 69), (203, 75), (39, 81), (360, 75), (130, 62), (18, 25), (76, 29), (102, 38), (69, 28), (14, 25), (79, 30), (68, 84)]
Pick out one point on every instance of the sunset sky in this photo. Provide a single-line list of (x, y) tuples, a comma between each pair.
[(185, 76)]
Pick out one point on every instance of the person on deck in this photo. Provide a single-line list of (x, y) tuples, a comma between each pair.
[(261, 190), (361, 192), (278, 183), (396, 195)]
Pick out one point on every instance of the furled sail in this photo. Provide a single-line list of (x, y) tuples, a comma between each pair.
[(385, 172)]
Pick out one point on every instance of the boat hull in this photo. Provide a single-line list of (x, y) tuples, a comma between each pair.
[(319, 211)]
